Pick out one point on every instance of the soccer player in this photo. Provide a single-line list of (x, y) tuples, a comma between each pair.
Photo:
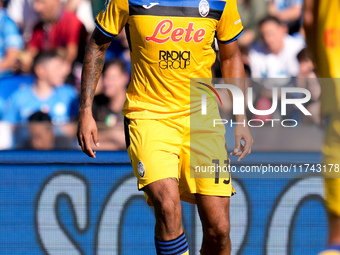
[(322, 25), (170, 42)]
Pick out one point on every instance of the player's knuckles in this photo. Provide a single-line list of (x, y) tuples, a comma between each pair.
[(248, 139), (86, 133), (248, 144)]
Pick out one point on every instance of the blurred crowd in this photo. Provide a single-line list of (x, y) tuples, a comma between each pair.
[(42, 45)]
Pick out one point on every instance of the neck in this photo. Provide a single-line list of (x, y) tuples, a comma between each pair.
[(56, 15), (279, 49), (42, 89)]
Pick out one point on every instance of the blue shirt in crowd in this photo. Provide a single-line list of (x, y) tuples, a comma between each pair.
[(284, 4), (10, 37), (59, 105)]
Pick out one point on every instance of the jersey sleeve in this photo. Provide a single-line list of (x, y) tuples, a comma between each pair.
[(113, 17), (229, 27)]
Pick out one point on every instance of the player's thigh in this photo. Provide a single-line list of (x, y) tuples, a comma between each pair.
[(153, 147)]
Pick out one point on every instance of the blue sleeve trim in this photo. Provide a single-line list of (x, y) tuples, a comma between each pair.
[(103, 31), (232, 40)]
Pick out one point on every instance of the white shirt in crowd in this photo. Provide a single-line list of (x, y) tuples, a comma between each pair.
[(265, 64)]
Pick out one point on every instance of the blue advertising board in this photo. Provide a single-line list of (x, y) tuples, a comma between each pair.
[(65, 203)]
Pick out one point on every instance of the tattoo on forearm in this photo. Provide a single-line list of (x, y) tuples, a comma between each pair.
[(92, 68)]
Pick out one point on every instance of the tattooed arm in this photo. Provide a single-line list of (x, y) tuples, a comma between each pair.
[(93, 65)]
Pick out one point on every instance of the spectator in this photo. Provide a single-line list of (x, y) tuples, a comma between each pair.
[(276, 57), (314, 104), (59, 29), (10, 42), (306, 63), (308, 79), (9, 85), (108, 105), (287, 11), (21, 11), (42, 135), (251, 12), (47, 94)]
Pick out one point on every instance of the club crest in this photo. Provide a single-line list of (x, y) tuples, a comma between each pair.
[(141, 169), (203, 8)]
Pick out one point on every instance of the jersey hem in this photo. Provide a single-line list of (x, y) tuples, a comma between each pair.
[(154, 116)]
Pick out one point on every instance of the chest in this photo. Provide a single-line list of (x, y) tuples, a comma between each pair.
[(174, 22)]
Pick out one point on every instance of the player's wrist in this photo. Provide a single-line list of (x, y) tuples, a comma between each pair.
[(84, 111), (241, 118)]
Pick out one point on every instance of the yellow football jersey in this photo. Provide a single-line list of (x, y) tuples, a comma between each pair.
[(328, 54), (170, 42)]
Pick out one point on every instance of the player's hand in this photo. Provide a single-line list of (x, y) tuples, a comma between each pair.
[(87, 129), (242, 134)]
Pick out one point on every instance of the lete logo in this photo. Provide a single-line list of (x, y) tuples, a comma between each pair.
[(165, 28)]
